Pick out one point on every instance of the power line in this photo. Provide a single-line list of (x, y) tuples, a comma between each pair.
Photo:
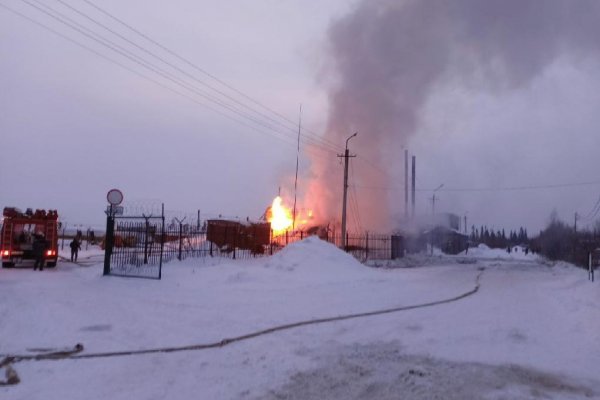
[(517, 188), (490, 189), (371, 164), (112, 60), (107, 43), (185, 73), (353, 192), (144, 63), (315, 136), (313, 139), (594, 211), (323, 140)]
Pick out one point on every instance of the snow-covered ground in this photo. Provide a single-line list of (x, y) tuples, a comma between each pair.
[(530, 331), (87, 252)]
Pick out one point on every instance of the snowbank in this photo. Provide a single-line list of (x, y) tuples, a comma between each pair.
[(316, 256), (517, 253)]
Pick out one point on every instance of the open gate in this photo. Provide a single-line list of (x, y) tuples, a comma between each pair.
[(134, 245)]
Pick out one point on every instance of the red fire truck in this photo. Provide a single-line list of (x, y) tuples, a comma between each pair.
[(19, 230)]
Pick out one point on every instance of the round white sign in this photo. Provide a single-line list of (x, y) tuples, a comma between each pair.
[(114, 197)]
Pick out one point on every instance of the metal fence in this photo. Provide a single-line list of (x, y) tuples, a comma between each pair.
[(183, 241), (135, 246), (367, 246)]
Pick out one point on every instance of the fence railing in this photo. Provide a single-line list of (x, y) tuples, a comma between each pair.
[(181, 242)]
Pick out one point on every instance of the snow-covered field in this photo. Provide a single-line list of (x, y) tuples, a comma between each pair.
[(530, 331)]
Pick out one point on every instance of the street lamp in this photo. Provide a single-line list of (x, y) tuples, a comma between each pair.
[(347, 140)]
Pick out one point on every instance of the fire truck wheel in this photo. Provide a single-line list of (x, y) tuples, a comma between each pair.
[(51, 264), (8, 265)]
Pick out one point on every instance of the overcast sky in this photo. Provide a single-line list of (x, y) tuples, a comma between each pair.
[(74, 124)]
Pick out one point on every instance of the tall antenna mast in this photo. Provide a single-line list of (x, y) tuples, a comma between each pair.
[(297, 158)]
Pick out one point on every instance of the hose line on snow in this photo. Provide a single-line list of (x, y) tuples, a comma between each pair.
[(75, 352)]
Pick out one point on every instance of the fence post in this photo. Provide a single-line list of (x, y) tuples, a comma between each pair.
[(146, 241), (271, 243), (347, 237), (590, 268), (108, 241), (226, 243), (301, 235), (367, 245), (162, 240), (180, 239), (286, 237), (235, 236)]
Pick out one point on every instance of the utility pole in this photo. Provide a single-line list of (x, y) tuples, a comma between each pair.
[(433, 200), (297, 161), (406, 185), (575, 236), (346, 157), (413, 188), (433, 215)]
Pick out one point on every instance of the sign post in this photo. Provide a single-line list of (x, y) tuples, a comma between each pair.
[(114, 198)]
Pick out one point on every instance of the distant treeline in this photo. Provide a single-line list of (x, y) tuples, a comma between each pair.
[(557, 241), (499, 238), (562, 241)]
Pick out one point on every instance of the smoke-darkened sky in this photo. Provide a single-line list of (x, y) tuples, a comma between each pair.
[(495, 98), (487, 95)]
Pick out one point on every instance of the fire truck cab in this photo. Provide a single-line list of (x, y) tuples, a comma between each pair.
[(18, 233)]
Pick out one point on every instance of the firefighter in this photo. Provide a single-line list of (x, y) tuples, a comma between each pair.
[(75, 247), (39, 248)]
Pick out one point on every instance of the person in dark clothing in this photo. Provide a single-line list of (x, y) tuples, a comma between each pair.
[(75, 247), (38, 248)]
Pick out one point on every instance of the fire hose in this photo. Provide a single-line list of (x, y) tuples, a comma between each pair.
[(75, 353)]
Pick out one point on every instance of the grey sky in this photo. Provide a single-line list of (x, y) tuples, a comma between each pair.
[(74, 125)]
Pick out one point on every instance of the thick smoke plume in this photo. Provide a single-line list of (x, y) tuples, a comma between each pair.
[(388, 56)]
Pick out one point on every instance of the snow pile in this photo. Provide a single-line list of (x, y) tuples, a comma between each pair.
[(314, 255), (517, 253)]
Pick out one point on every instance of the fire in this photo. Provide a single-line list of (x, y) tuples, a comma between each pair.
[(280, 217)]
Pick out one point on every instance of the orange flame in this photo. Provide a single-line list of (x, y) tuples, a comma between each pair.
[(280, 217)]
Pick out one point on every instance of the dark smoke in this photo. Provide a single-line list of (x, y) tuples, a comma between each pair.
[(387, 57)]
